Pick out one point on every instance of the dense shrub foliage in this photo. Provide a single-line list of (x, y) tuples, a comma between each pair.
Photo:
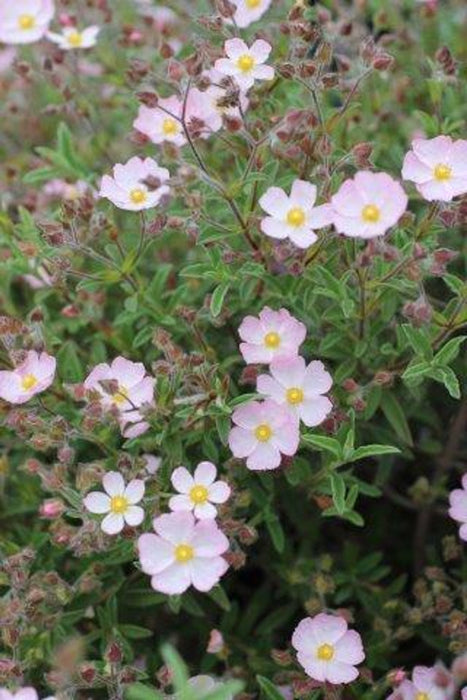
[(232, 252)]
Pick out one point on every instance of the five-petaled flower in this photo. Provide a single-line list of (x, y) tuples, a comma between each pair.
[(294, 216), (136, 185), (438, 167), (199, 492), (423, 686), (245, 64), (273, 334), (249, 11), (368, 205), (183, 552), (299, 388), (72, 38), (458, 507), (263, 432), (327, 649), (119, 503), (26, 21), (35, 374)]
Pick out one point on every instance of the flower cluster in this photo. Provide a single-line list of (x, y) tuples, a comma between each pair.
[(266, 430)]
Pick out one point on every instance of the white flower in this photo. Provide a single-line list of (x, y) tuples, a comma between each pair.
[(245, 64), (118, 502), (72, 38), (198, 493)]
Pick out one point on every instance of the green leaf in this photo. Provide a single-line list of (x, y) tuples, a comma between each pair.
[(176, 665), (321, 442), (396, 417), (268, 689), (373, 450), (138, 691), (217, 299), (135, 632), (446, 376), (418, 340), (275, 531), (219, 596), (450, 351), (338, 492)]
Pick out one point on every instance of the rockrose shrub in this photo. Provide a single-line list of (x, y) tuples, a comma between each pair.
[(233, 314)]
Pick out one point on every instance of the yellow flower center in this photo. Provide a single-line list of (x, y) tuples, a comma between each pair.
[(121, 395), (169, 127), (245, 63), (184, 553), (26, 22), (371, 213), (442, 172), (422, 696), (263, 432), (199, 494), (75, 39), (138, 196), (272, 340), (296, 217), (325, 652), (118, 505), (294, 395), (29, 381), (251, 4)]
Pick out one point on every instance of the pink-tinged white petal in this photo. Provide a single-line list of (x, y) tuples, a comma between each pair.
[(265, 456), (219, 492), (206, 573), (175, 527), (113, 523), (134, 492), (302, 237), (208, 540), (338, 672), (180, 502), (260, 49), (127, 372), (134, 516), (328, 629), (182, 480), (234, 48), (242, 442), (289, 371), (349, 648), (97, 502), (268, 386), (263, 72), (287, 439), (317, 379), (173, 580), (274, 228), (26, 694), (205, 473), (114, 484), (155, 553), (275, 202), (205, 511), (313, 411)]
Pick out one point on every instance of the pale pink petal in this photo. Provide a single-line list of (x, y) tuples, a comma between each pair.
[(303, 194), (206, 573), (314, 411), (97, 502), (219, 492), (173, 580), (205, 473), (180, 502), (349, 648), (175, 527), (155, 554), (302, 237), (275, 202), (287, 438), (182, 480), (134, 515), (263, 72), (328, 629), (274, 228), (317, 380), (208, 540), (413, 169), (242, 442), (313, 667), (260, 50), (234, 48), (113, 484), (134, 492), (338, 672), (290, 372), (320, 216), (205, 511), (113, 523), (127, 372), (268, 386), (304, 635), (264, 456)]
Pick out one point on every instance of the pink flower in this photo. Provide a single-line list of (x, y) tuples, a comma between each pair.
[(182, 553), (130, 388), (249, 11), (66, 190), (423, 685), (162, 123), (264, 431), (31, 377), (152, 463), (245, 64), (458, 509), (216, 642), (136, 184), (198, 492), (327, 649), (368, 205), (26, 21), (71, 38), (438, 167), (273, 334), (118, 502), (294, 216), (299, 388)]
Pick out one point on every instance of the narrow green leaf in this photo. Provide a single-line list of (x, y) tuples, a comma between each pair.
[(396, 417)]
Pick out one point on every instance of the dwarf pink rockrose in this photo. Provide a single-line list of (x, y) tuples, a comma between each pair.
[(72, 38), (368, 205), (294, 216), (299, 388), (119, 503), (66, 190), (245, 64), (423, 686), (327, 649), (26, 21), (438, 167), (249, 11), (183, 552), (34, 375), (263, 432), (199, 492), (458, 509), (273, 334), (133, 389), (136, 185)]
